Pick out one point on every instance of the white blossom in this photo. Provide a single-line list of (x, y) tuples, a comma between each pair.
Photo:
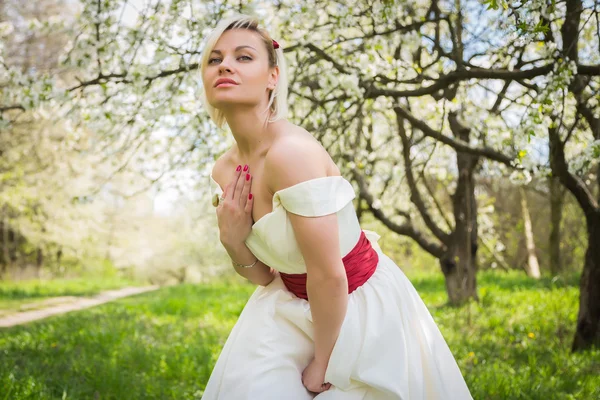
[(520, 177), (6, 28)]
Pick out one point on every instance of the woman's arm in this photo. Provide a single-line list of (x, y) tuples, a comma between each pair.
[(292, 160), (326, 281), (259, 274)]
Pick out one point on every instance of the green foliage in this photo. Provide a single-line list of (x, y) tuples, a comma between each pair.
[(495, 4), (514, 344)]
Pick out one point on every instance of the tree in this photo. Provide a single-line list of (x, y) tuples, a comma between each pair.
[(532, 266), (367, 53), (557, 193), (526, 60)]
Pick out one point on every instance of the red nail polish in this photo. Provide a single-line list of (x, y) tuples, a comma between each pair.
[(247, 177), (250, 196), (238, 168), (245, 167)]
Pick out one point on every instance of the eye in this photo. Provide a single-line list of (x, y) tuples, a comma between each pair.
[(212, 59)]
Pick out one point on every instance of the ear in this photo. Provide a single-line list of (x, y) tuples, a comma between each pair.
[(273, 77)]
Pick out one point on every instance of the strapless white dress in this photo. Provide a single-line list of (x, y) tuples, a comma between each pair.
[(389, 346)]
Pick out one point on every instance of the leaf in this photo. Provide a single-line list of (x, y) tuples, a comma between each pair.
[(492, 4)]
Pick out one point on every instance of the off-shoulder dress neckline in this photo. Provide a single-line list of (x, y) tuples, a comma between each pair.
[(273, 204)]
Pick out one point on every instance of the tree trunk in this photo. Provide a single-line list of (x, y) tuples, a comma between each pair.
[(588, 320), (58, 257), (532, 267), (556, 208), (39, 262), (460, 273), (459, 265), (5, 243)]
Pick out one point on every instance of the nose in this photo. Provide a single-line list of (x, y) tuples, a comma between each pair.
[(224, 67)]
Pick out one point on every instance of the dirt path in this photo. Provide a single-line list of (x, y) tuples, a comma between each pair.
[(79, 303)]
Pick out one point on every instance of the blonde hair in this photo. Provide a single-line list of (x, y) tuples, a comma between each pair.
[(278, 96)]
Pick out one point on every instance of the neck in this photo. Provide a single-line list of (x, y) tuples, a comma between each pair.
[(251, 130)]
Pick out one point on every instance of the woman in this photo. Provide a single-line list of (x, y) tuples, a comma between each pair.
[(333, 317)]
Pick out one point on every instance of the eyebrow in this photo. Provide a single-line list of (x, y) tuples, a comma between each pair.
[(236, 49)]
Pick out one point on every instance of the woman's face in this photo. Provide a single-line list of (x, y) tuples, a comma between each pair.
[(238, 55)]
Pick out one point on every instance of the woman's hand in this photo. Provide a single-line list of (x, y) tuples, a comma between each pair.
[(234, 214), (313, 377)]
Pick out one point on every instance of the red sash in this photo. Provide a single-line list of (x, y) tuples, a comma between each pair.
[(360, 264)]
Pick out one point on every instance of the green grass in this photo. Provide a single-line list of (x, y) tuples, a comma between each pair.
[(514, 344), (14, 294)]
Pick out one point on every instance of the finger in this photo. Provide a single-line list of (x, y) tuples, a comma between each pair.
[(317, 389), (233, 184), (239, 185), (249, 203), (245, 189)]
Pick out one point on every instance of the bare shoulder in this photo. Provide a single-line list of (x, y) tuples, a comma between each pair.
[(223, 163), (296, 156)]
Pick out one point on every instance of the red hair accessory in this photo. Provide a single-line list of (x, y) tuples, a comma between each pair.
[(275, 44)]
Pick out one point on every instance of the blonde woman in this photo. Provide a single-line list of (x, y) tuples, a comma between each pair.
[(333, 317)]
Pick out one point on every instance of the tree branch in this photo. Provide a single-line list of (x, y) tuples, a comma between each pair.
[(415, 195), (572, 182), (12, 107), (435, 200), (327, 57), (458, 145), (588, 114), (105, 78), (588, 69), (445, 80), (405, 229)]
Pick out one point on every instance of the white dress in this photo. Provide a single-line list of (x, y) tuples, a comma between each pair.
[(389, 346)]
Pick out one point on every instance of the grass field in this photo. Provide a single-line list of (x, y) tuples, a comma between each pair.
[(15, 294), (513, 344)]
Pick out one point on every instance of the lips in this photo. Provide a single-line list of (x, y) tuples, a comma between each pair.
[(225, 80)]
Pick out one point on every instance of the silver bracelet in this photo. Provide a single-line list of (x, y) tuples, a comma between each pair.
[(243, 266)]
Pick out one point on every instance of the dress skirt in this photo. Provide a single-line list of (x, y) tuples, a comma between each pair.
[(389, 347)]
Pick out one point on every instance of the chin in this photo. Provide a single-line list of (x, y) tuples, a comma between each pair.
[(221, 103), (232, 102)]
